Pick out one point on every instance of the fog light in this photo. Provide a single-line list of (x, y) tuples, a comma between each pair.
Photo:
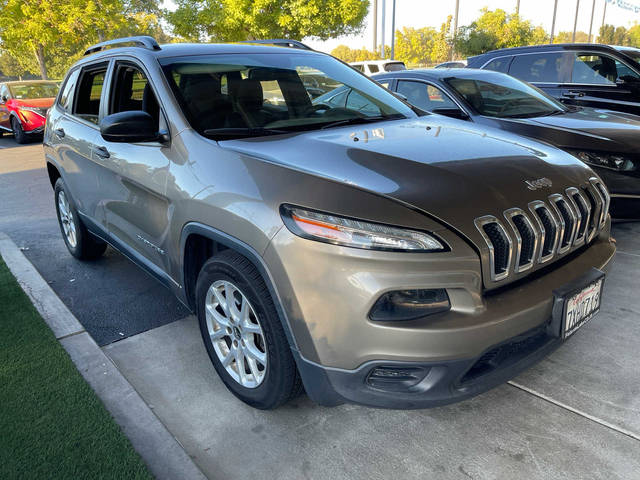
[(409, 304), (396, 378)]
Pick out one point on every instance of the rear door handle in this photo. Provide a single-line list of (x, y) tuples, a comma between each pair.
[(102, 152), (59, 132), (573, 94)]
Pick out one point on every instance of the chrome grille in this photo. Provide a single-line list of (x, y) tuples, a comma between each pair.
[(548, 229)]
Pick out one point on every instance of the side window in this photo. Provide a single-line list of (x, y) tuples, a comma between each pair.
[(424, 96), (132, 91), (357, 102), (544, 67), (373, 68), (87, 103), (66, 95), (499, 64), (360, 68), (4, 93), (596, 69), (271, 93)]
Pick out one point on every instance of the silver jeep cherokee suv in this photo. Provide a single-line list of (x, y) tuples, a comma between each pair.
[(361, 249)]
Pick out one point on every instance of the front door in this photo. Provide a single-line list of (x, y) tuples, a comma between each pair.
[(134, 202), (5, 119)]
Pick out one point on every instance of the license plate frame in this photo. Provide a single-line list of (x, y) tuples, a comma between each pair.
[(563, 297)]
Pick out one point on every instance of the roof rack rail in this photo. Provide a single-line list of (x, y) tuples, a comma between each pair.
[(281, 42), (141, 41)]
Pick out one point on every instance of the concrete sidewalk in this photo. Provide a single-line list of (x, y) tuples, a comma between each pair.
[(578, 418)]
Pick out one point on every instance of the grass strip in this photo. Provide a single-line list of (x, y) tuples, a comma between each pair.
[(52, 425)]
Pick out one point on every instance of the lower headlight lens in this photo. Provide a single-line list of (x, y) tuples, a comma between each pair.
[(612, 161), (325, 227), (409, 304)]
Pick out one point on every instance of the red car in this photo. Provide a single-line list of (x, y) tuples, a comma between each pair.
[(24, 105)]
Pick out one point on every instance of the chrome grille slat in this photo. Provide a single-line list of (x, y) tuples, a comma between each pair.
[(546, 230)]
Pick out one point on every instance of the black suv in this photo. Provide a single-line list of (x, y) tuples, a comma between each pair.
[(589, 75)]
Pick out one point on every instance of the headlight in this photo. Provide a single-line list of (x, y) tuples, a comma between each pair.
[(37, 110), (612, 161), (349, 232)]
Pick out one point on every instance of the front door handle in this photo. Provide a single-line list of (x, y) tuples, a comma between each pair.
[(573, 94), (59, 132), (102, 152)]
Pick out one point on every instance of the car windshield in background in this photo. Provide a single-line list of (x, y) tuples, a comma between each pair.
[(235, 96), (505, 97), (33, 90)]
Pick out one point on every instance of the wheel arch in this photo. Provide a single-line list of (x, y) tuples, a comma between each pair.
[(54, 173)]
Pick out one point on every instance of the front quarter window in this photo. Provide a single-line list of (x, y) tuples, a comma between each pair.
[(259, 94)]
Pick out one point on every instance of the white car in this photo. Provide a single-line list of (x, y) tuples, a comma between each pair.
[(371, 67)]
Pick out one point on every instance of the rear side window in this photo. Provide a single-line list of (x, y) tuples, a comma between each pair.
[(373, 68), (87, 103), (66, 95), (499, 64), (544, 67)]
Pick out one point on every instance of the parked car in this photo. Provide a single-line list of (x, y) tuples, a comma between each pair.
[(368, 256), (607, 141), (24, 105), (599, 76), (452, 64), (371, 67)]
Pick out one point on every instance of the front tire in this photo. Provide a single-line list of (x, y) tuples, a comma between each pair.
[(243, 334), (80, 243), (18, 132)]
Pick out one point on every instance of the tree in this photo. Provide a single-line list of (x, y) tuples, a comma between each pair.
[(46, 36), (347, 54), (567, 37), (611, 35), (497, 29), (237, 20), (633, 35), (9, 66)]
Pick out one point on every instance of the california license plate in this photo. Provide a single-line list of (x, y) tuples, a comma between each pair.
[(581, 307)]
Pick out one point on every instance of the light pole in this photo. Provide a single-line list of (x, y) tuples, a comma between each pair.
[(593, 10), (553, 22), (575, 22), (383, 21), (455, 27), (393, 29), (375, 25), (518, 7), (604, 14)]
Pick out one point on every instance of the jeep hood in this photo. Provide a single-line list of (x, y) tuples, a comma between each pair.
[(448, 168)]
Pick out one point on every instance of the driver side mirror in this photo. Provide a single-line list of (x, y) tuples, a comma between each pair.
[(129, 127), (451, 112), (3, 99)]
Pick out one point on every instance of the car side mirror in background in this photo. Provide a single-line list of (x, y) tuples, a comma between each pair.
[(129, 127), (451, 112), (3, 99)]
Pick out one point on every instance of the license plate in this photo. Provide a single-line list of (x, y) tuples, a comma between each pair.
[(581, 307)]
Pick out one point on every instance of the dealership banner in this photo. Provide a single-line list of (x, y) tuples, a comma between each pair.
[(632, 7)]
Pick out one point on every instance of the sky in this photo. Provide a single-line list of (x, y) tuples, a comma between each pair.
[(432, 13)]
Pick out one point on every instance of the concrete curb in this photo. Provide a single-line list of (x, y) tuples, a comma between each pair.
[(162, 453)]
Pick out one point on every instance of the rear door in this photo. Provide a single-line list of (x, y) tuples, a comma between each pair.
[(547, 71), (72, 132), (133, 183), (599, 80)]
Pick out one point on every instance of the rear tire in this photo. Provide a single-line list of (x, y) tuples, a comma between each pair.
[(249, 351), (80, 243), (18, 132)]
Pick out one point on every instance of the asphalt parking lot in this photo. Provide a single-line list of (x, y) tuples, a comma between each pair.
[(574, 415)]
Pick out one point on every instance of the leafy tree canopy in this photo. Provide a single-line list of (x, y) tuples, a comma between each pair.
[(236, 20), (566, 37), (347, 54), (497, 29)]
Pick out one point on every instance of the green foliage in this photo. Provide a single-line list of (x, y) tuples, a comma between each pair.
[(419, 46), (47, 36), (347, 54), (566, 37), (236, 20), (9, 66), (620, 36), (497, 29)]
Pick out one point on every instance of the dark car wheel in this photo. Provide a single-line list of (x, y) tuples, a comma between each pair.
[(80, 243), (18, 132), (243, 334)]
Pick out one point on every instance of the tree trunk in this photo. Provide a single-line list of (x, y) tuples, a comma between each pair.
[(39, 52)]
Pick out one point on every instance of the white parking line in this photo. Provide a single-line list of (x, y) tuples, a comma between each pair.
[(586, 415)]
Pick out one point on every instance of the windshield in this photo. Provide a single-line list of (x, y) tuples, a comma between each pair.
[(394, 67), (252, 95), (33, 90), (635, 54), (505, 97)]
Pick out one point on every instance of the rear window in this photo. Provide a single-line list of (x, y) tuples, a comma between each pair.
[(499, 64), (543, 67), (394, 67)]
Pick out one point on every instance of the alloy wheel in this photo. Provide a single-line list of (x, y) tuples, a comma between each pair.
[(66, 219)]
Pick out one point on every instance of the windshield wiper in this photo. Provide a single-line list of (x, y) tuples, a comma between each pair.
[(360, 120), (228, 133)]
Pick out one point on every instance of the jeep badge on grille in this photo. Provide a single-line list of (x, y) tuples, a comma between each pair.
[(538, 183)]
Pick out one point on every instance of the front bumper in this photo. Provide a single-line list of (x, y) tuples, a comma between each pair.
[(327, 292)]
